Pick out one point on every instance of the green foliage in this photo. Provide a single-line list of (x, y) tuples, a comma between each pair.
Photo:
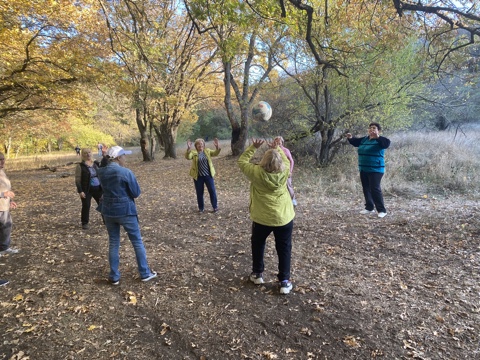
[(86, 137), (371, 79), (211, 124)]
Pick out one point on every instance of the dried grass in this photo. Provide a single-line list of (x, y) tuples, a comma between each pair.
[(436, 163)]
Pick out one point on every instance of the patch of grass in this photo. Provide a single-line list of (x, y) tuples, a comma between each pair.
[(438, 163), (38, 161)]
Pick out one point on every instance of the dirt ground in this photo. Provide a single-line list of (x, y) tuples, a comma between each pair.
[(403, 287)]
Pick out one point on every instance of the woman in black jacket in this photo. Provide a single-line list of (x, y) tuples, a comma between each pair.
[(87, 183)]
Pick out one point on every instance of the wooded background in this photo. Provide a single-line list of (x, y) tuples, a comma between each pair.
[(154, 72)]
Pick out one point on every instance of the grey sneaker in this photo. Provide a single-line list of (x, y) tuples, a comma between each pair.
[(9, 251), (285, 287), (367, 212), (153, 275), (256, 278)]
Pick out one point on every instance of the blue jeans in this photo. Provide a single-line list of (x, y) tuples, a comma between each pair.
[(372, 191), (130, 224), (199, 188), (283, 245)]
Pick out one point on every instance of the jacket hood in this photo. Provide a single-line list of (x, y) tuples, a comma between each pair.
[(274, 181)]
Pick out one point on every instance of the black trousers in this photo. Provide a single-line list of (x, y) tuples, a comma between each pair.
[(372, 191), (283, 245), (96, 193)]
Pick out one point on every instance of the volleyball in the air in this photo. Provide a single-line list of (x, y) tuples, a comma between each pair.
[(262, 111)]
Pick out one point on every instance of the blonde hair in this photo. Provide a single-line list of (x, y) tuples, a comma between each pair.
[(84, 153), (272, 162), (198, 141)]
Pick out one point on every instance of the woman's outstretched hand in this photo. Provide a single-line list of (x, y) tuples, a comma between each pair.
[(257, 142)]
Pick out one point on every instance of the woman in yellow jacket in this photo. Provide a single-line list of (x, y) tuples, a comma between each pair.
[(202, 170), (271, 209)]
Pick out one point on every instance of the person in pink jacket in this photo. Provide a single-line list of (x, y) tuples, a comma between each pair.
[(280, 142)]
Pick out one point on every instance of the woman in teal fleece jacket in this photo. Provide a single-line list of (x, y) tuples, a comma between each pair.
[(371, 163), (271, 209)]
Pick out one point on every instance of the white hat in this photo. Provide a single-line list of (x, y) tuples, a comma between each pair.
[(116, 151)]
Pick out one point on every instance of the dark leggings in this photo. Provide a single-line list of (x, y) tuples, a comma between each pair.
[(283, 245), (96, 193), (372, 191)]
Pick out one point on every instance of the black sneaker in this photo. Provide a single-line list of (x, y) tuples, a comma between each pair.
[(85, 226), (285, 287), (3, 282), (256, 278)]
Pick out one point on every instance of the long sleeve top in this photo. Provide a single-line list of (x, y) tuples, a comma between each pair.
[(193, 155), (270, 202), (371, 153), (120, 189), (5, 185)]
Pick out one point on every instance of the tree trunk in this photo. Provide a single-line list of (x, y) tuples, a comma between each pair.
[(169, 138), (323, 157), (238, 141), (327, 132), (239, 130), (144, 141), (152, 142), (227, 100), (8, 147), (159, 136), (239, 135)]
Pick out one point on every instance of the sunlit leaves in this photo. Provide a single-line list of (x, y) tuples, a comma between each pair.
[(46, 49)]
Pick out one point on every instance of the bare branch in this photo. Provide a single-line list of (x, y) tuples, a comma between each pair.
[(308, 37), (455, 17)]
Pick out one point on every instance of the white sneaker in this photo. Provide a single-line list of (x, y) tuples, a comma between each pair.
[(257, 279), (9, 251), (382, 214), (367, 212), (285, 287), (153, 275)]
